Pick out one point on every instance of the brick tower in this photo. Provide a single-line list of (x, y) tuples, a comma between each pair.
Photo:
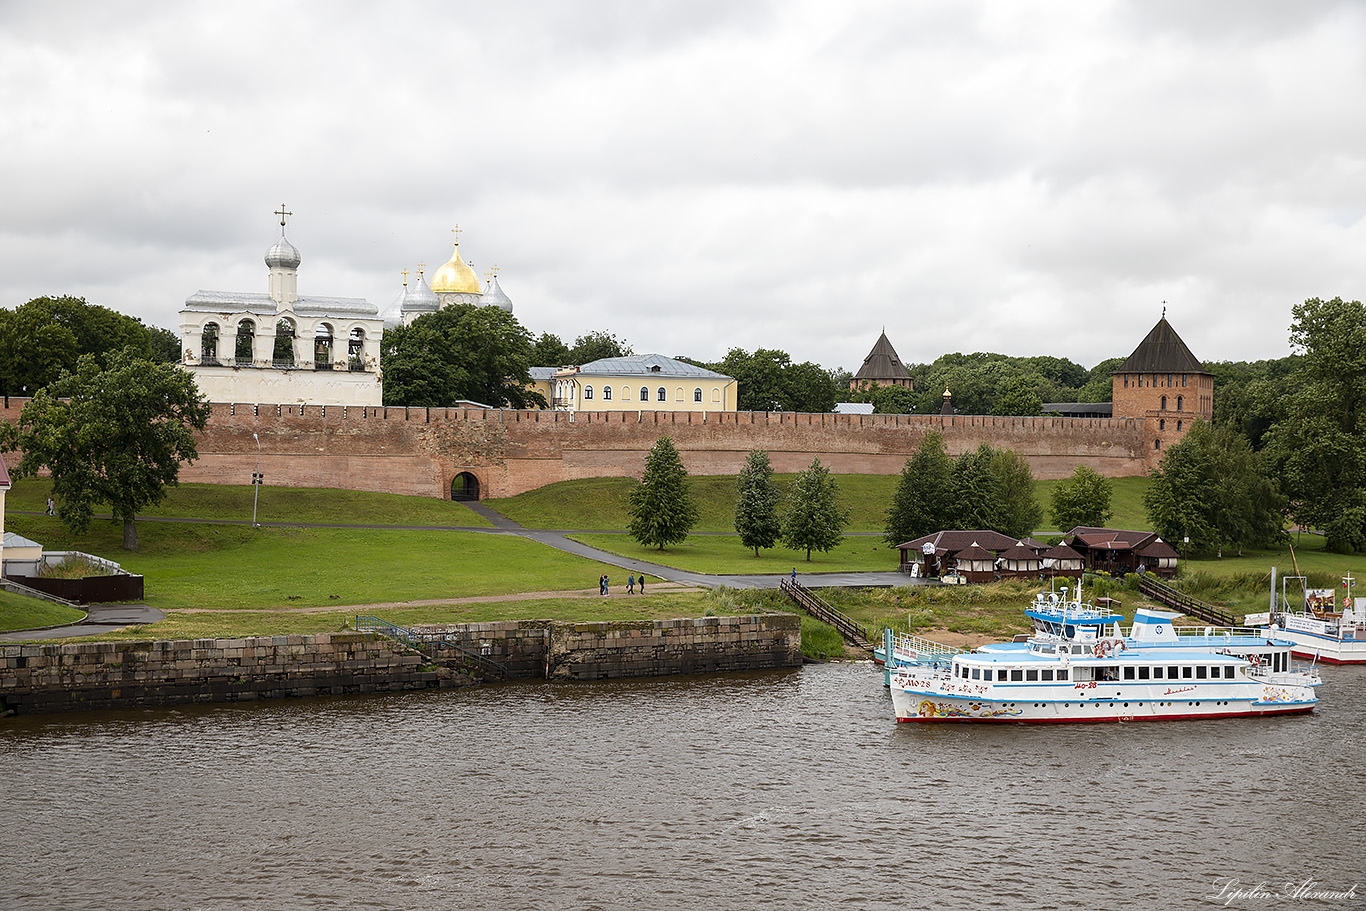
[(1164, 384)]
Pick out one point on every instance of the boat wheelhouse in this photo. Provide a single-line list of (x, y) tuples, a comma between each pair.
[(1078, 665)]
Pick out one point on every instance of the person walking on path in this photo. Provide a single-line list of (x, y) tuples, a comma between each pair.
[(794, 575), (641, 583), (631, 584), (51, 507), (602, 585)]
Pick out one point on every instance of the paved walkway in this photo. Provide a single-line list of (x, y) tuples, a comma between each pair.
[(100, 618), (559, 541)]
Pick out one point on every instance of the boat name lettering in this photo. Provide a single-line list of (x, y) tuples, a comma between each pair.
[(1084, 686), (1180, 689)]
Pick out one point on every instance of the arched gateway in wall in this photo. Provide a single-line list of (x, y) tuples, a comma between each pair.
[(465, 486)]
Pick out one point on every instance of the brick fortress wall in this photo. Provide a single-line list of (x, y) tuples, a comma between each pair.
[(419, 451)]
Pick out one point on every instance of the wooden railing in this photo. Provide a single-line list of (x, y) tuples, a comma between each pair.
[(1159, 591), (810, 602)]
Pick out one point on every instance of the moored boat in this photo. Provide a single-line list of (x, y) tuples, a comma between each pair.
[(1320, 628), (1079, 665)]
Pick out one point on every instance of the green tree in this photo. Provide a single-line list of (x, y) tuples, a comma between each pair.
[(1083, 499), (113, 435), (662, 509), (922, 503), (46, 336), (756, 503), (1020, 398), (976, 496), (1318, 446), (549, 351), (595, 346), (481, 354), (1018, 512), (769, 381), (813, 519), (1211, 487)]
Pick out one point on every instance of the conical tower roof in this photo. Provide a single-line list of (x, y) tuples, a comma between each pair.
[(882, 363), (1161, 352)]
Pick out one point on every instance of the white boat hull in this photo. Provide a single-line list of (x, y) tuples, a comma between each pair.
[(1082, 703)]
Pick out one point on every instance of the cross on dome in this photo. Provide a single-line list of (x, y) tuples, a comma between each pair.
[(283, 214)]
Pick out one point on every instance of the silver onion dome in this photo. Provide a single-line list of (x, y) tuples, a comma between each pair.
[(284, 255)]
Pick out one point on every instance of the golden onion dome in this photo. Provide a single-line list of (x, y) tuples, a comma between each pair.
[(455, 276)]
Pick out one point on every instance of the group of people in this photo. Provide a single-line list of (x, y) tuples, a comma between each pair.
[(632, 583)]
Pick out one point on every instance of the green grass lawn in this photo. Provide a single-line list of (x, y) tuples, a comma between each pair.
[(603, 504), (237, 624), (280, 567), (280, 504), (19, 612), (724, 555)]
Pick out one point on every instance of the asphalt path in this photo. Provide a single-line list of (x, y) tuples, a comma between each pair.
[(559, 541), (100, 618)]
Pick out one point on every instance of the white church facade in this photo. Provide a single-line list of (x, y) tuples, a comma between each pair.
[(281, 348)]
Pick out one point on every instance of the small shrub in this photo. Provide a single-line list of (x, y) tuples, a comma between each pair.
[(76, 566)]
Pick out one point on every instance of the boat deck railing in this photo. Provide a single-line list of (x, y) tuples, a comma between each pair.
[(901, 649)]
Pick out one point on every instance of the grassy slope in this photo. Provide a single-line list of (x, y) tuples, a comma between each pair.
[(602, 504), (725, 555), (280, 504), (18, 612)]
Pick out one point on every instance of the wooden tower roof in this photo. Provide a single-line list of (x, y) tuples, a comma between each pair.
[(1161, 352), (882, 363)]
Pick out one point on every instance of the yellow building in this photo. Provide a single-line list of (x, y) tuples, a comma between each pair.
[(641, 382)]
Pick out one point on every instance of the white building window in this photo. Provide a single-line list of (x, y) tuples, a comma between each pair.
[(644, 393), (697, 394), (587, 393), (607, 393), (662, 395)]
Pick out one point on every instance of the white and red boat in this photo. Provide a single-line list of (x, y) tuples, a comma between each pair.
[(1078, 665)]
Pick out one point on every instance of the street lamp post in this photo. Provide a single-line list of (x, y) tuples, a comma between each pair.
[(256, 479)]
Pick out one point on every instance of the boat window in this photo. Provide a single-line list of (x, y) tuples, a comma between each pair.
[(1200, 672), (1172, 673), (1032, 675), (1157, 673), (1017, 676), (1143, 673), (1048, 673), (1228, 672), (1129, 672), (976, 674), (1185, 673), (1108, 673), (1062, 674), (1070, 630)]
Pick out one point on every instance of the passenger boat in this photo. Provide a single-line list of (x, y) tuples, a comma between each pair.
[(1079, 665), (1317, 628)]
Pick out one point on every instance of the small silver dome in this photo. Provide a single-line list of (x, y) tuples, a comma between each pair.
[(284, 255), (421, 298), (494, 296)]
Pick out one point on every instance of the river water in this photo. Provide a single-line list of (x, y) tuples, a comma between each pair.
[(784, 789)]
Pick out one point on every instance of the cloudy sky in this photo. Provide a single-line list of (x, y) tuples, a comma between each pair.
[(1024, 178)]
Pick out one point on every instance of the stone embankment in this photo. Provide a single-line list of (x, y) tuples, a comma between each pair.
[(95, 675)]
